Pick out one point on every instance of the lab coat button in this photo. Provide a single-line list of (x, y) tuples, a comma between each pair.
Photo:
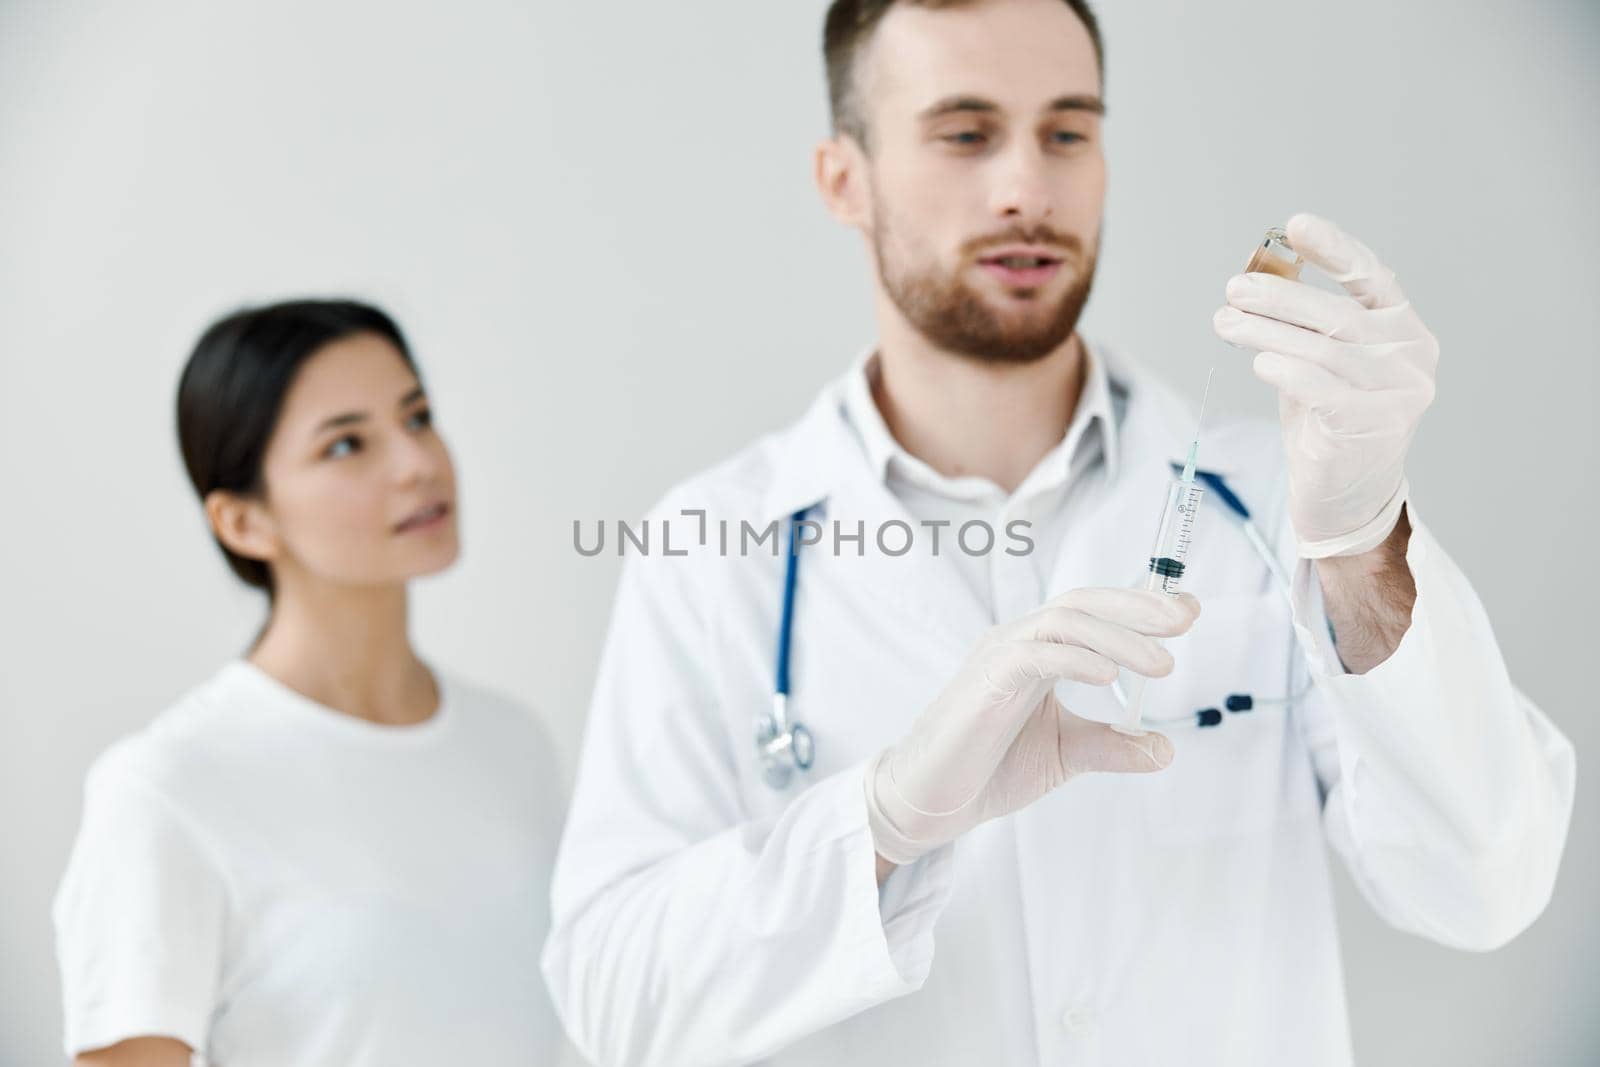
[(1077, 1018)]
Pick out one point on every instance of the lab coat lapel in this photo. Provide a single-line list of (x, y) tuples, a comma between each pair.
[(821, 465)]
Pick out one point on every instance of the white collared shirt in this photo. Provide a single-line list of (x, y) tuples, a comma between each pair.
[(1006, 585)]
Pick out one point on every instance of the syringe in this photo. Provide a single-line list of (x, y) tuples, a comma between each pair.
[(1170, 553)]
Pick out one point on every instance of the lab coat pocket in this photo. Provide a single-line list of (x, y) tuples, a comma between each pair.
[(1248, 772)]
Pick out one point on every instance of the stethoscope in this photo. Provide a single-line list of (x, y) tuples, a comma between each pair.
[(784, 746)]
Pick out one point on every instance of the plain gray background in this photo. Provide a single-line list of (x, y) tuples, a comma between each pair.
[(597, 224)]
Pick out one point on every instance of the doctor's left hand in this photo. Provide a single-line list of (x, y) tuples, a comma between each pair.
[(1354, 374)]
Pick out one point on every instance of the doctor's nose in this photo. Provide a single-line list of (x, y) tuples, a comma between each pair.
[(1020, 192)]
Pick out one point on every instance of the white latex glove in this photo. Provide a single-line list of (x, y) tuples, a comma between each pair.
[(997, 739), (1354, 375)]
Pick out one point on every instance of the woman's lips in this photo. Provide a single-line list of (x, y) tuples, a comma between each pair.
[(428, 518)]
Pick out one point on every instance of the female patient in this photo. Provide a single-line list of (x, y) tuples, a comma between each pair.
[(328, 852)]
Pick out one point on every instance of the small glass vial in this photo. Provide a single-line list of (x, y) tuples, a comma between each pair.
[(1274, 256)]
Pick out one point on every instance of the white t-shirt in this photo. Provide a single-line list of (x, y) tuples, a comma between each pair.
[(274, 882)]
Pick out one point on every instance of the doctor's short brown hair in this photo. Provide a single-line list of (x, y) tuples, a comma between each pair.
[(849, 25)]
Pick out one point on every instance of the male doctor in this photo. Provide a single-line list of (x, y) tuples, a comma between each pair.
[(946, 884)]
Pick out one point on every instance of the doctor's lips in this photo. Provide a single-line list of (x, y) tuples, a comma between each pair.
[(1022, 266), (428, 517)]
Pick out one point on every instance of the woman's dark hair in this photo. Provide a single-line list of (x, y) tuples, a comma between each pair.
[(232, 389)]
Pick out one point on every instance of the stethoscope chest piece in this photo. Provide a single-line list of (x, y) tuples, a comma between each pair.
[(784, 747)]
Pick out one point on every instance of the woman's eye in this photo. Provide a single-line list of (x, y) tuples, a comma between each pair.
[(347, 445), (420, 419), (1068, 137), (964, 138)]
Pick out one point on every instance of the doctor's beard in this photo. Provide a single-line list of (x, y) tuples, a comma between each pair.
[(957, 318)]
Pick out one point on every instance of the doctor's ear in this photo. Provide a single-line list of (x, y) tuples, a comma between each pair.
[(242, 525), (840, 170)]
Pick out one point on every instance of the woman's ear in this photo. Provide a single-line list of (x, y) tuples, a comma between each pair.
[(839, 167), (242, 524)]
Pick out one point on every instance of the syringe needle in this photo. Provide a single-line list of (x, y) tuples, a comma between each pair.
[(1203, 397), (1194, 445)]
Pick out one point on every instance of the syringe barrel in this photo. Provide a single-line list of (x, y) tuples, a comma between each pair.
[(1170, 554), (1168, 559)]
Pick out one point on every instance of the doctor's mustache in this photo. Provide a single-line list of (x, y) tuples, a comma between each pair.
[(892, 538), (1041, 234)]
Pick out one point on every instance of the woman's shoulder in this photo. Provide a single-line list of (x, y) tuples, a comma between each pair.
[(192, 733)]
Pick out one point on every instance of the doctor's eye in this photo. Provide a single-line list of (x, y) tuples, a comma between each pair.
[(964, 138)]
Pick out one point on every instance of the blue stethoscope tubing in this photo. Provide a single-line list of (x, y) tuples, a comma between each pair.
[(785, 746), (1241, 514)]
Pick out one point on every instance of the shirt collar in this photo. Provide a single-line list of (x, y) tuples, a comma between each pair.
[(1093, 422), (822, 453)]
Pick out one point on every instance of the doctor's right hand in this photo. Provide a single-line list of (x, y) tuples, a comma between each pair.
[(997, 739)]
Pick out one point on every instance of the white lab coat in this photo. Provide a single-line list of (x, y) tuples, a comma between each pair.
[(700, 917)]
